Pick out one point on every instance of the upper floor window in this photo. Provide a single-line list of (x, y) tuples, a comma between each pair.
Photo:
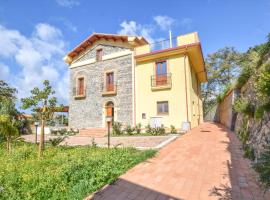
[(99, 54), (162, 107), (161, 73), (110, 81), (80, 86)]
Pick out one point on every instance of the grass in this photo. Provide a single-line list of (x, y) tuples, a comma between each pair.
[(64, 172)]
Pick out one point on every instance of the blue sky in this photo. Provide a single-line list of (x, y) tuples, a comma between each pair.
[(35, 35)]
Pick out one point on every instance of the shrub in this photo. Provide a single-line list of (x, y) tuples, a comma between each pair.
[(244, 106), (117, 128), (149, 129), (262, 84), (258, 114), (249, 152), (243, 77), (155, 131), (173, 130), (56, 141), (138, 128), (262, 167), (129, 130)]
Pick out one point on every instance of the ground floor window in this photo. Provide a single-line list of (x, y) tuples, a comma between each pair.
[(162, 107)]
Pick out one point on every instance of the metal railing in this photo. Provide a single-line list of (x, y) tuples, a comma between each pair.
[(163, 44), (161, 80)]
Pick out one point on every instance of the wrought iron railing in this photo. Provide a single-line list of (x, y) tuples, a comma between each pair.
[(161, 80)]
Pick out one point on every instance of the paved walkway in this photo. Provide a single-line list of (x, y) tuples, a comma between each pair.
[(206, 163)]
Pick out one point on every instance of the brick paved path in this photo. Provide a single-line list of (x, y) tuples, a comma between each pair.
[(206, 163)]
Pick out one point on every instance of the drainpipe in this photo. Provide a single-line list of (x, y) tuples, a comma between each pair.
[(199, 111), (186, 86), (134, 88)]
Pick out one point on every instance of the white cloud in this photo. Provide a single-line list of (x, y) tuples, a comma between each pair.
[(186, 22), (37, 58), (68, 3), (164, 22), (4, 71), (133, 28)]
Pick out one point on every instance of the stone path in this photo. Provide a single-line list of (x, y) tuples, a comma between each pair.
[(204, 164)]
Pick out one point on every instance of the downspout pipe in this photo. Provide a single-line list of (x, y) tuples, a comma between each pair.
[(186, 86)]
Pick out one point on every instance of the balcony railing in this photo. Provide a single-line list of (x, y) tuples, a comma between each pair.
[(163, 44), (161, 81), (109, 89)]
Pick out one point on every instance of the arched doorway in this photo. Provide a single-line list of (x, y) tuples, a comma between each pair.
[(110, 110)]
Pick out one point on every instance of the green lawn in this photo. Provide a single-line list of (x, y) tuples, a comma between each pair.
[(64, 172)]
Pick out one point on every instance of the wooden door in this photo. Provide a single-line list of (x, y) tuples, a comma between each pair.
[(161, 73), (110, 81)]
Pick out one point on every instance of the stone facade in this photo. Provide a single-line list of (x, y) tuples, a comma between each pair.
[(106, 49), (89, 112)]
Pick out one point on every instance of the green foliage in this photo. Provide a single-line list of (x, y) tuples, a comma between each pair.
[(129, 130), (138, 128), (64, 172), (64, 131), (259, 112), (155, 130), (7, 92), (8, 130), (56, 141), (242, 105), (243, 77), (249, 152), (263, 168), (262, 84), (223, 94), (222, 68), (173, 130), (117, 128)]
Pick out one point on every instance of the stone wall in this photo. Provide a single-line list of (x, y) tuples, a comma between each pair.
[(90, 111), (259, 129)]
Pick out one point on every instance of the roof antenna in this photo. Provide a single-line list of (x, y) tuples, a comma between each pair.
[(170, 35)]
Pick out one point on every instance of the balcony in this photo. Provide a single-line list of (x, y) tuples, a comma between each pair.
[(109, 89), (163, 44), (161, 81)]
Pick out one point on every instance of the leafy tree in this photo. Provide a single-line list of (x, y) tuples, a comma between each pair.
[(8, 113), (43, 103), (7, 92), (7, 129), (222, 69)]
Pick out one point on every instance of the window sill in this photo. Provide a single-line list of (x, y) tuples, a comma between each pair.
[(83, 96), (162, 114), (161, 87), (108, 93)]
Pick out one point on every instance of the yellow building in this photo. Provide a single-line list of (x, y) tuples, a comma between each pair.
[(133, 82), (168, 82)]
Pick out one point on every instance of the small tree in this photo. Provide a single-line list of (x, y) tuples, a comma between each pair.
[(8, 113), (8, 130), (44, 104)]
